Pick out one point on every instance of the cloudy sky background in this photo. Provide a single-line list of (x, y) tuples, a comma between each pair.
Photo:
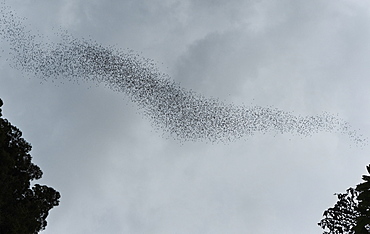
[(116, 174)]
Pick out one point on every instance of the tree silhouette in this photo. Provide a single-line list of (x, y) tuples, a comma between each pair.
[(22, 209), (351, 213), (363, 220)]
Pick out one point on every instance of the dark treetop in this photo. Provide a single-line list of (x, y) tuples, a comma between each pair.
[(351, 213), (22, 209)]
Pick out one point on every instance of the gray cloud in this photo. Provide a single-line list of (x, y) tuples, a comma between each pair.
[(120, 176)]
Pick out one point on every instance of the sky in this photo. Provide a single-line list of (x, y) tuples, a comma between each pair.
[(119, 171)]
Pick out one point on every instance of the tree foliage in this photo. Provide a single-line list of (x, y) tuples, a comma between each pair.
[(22, 209), (363, 220), (351, 213)]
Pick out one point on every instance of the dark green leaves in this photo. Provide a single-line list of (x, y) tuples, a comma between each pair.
[(22, 209), (351, 213)]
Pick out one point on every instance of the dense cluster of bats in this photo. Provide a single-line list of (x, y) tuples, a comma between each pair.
[(182, 114)]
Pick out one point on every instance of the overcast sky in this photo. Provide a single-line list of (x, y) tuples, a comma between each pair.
[(118, 174)]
